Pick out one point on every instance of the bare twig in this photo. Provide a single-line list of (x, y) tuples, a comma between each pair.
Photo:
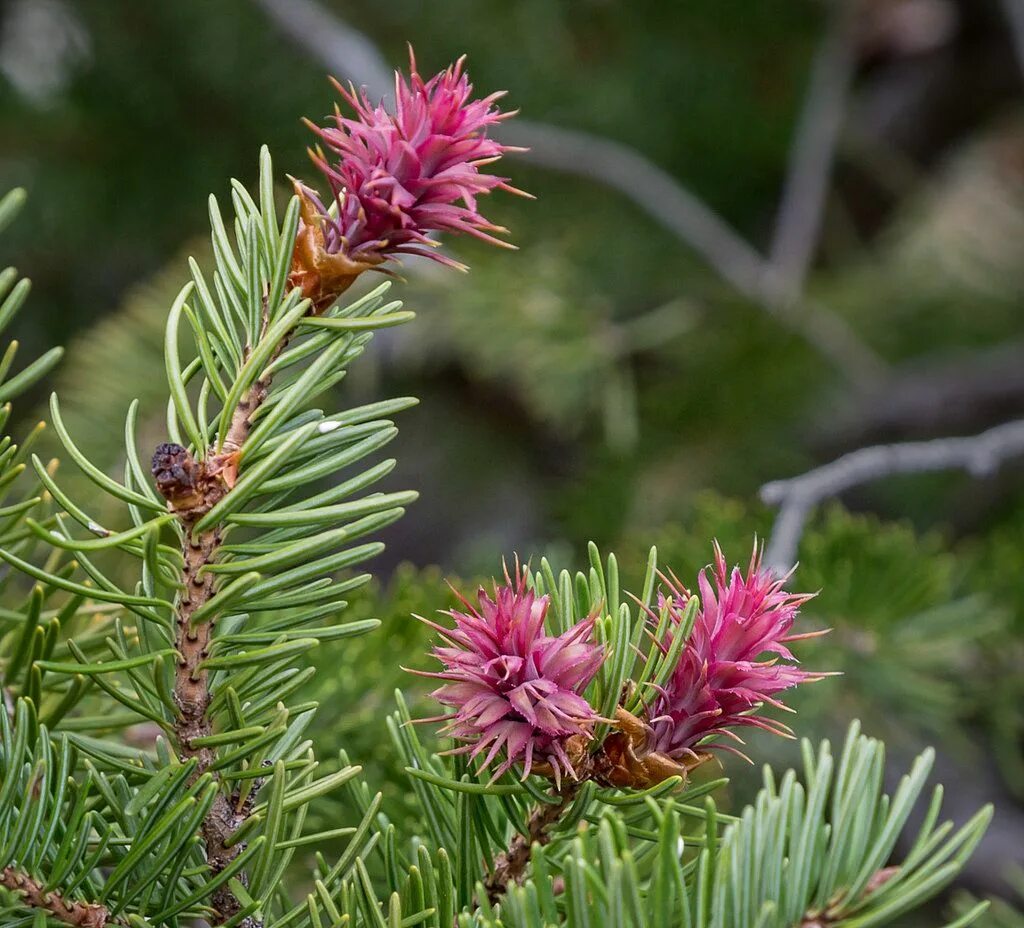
[(351, 55), (192, 695), (686, 216), (979, 455), (652, 189), (812, 154)]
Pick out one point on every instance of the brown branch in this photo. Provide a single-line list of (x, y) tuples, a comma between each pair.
[(510, 866), (193, 489), (70, 911), (192, 697)]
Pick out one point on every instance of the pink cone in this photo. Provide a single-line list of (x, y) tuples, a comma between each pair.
[(517, 690), (735, 661), (398, 176)]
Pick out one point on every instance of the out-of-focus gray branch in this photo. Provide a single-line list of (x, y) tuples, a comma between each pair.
[(695, 224), (931, 397), (652, 189), (812, 154), (980, 455), (351, 55)]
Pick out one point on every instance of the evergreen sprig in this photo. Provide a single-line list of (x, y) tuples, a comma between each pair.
[(813, 853), (157, 764), (199, 645)]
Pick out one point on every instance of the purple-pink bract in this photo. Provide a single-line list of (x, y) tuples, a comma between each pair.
[(399, 176), (735, 661), (516, 689)]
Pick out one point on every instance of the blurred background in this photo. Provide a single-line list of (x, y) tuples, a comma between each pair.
[(767, 233)]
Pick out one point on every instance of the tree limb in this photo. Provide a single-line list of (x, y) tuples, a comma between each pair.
[(192, 489), (980, 455), (653, 189), (928, 397)]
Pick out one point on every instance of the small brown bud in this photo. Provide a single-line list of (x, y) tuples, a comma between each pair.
[(177, 476)]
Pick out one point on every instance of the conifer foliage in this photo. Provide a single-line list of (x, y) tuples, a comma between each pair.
[(156, 767)]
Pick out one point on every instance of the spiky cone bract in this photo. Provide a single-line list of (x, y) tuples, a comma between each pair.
[(397, 177), (517, 690), (505, 678), (723, 678)]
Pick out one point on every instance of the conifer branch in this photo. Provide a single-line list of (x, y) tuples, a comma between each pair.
[(192, 696), (210, 480), (69, 911)]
